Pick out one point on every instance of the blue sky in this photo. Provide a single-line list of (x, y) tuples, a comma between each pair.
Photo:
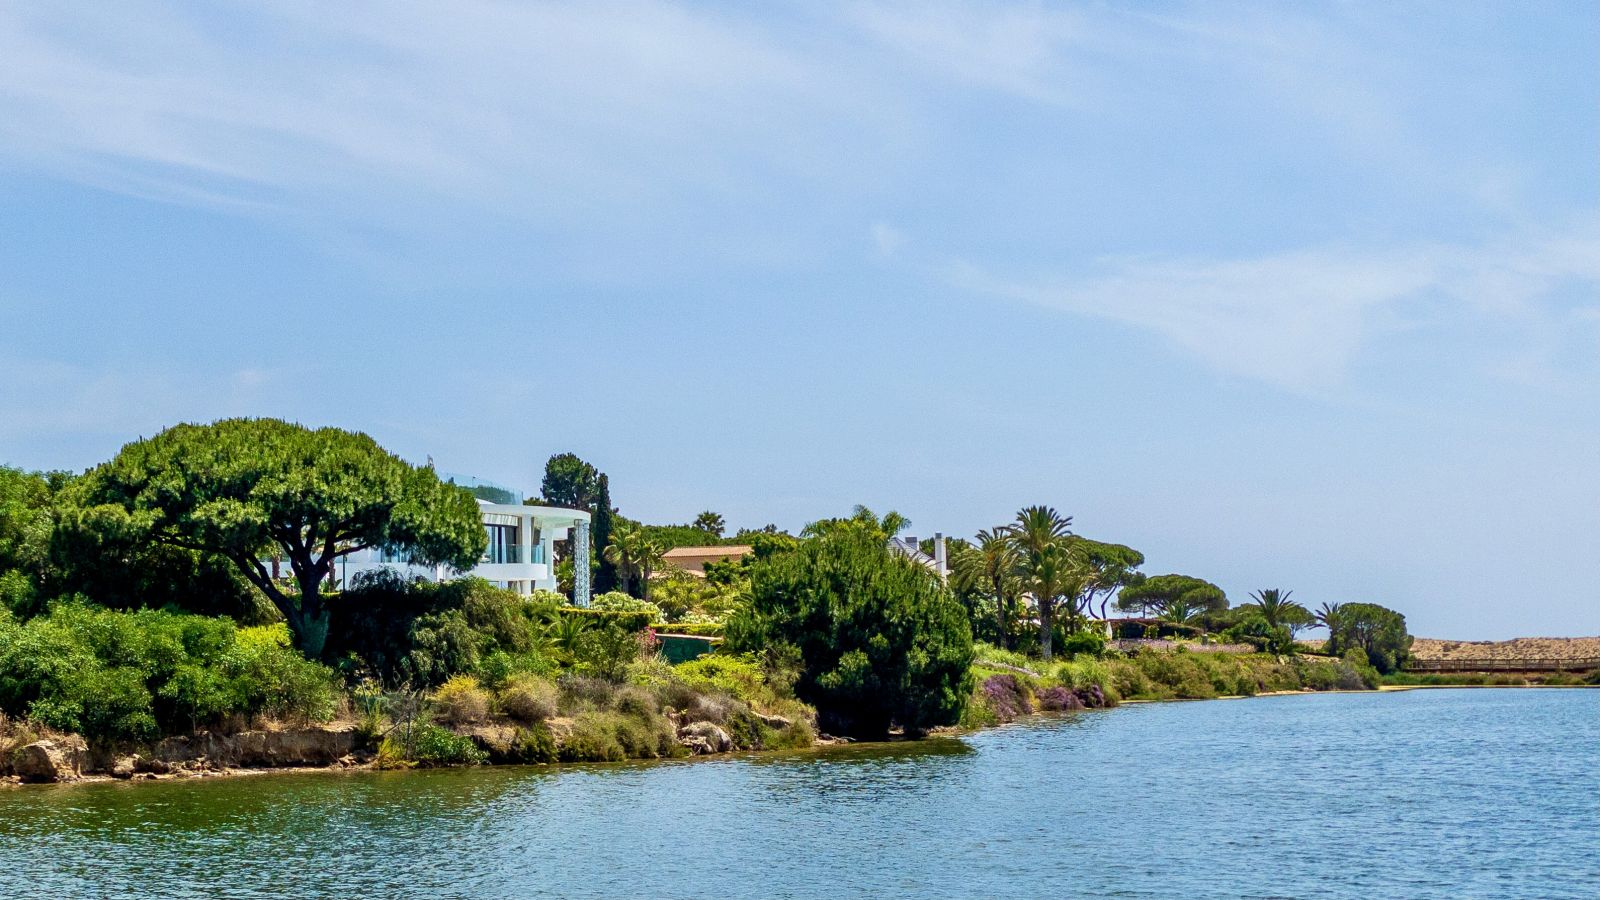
[(1297, 294)]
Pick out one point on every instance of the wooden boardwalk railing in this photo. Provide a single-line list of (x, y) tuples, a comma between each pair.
[(1532, 664)]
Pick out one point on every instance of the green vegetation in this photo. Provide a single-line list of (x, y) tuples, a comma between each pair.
[(399, 633), (1378, 632), (1011, 684), (241, 488), (711, 523), (636, 556), (129, 676), (1491, 679), (881, 642), (1176, 598), (145, 599)]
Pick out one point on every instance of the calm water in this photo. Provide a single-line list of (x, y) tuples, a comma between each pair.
[(1461, 793)]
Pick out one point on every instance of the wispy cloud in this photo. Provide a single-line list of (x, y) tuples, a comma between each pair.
[(560, 109), (102, 399), (1020, 50), (1299, 320), (471, 100)]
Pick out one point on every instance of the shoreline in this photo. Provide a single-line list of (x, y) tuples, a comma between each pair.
[(822, 744)]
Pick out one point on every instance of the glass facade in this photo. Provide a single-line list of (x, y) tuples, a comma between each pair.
[(502, 544)]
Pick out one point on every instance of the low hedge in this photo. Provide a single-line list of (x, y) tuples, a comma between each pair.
[(692, 629), (628, 621)]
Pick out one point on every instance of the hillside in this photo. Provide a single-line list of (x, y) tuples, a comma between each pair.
[(1517, 649)]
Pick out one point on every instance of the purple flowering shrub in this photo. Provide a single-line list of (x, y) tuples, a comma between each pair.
[(1006, 696)]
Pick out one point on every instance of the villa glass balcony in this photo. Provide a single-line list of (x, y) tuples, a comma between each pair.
[(499, 554)]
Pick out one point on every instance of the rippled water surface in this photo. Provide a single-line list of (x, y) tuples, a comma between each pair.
[(1441, 793)]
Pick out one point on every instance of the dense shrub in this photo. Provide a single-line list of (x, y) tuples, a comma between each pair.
[(580, 692), (1376, 631), (1253, 629), (1087, 674), (1151, 675), (1058, 698), (593, 738), (421, 634), (881, 640), (460, 701), (692, 629), (1339, 675), (280, 683), (631, 621), (632, 700), (534, 745), (1006, 696), (611, 735), (607, 651), (740, 677), (528, 698), (498, 666), (618, 602), (983, 652), (978, 713), (435, 746), (1090, 643), (114, 675)]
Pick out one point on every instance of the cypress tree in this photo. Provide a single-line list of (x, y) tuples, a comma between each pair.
[(605, 577)]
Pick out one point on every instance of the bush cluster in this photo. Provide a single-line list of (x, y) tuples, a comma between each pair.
[(880, 641), (461, 701), (1088, 681), (691, 629), (134, 676), (631, 621), (421, 634), (618, 602), (612, 735), (528, 698), (435, 746)]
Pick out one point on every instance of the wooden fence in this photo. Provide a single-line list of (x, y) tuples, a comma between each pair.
[(1530, 664)]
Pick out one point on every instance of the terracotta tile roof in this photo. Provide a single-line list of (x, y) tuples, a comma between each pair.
[(719, 551)]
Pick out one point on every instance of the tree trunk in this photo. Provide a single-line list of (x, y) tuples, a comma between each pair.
[(1000, 613), (309, 623), (312, 635), (1045, 629)]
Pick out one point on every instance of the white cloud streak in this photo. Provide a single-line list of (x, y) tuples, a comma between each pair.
[(1300, 320), (471, 100)]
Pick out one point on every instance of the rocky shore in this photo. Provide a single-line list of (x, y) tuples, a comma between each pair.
[(66, 758)]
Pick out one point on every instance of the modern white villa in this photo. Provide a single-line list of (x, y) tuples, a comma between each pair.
[(519, 555)]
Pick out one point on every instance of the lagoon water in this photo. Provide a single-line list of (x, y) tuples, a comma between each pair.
[(1436, 793)]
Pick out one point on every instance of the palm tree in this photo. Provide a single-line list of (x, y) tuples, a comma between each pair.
[(1327, 615), (635, 554), (991, 567), (652, 555), (1178, 610), (565, 634), (711, 523), (1048, 567), (1275, 606), (891, 524)]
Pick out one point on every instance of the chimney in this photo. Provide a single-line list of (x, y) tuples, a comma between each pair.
[(939, 554)]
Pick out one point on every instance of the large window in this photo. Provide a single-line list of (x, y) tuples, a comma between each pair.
[(502, 544)]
